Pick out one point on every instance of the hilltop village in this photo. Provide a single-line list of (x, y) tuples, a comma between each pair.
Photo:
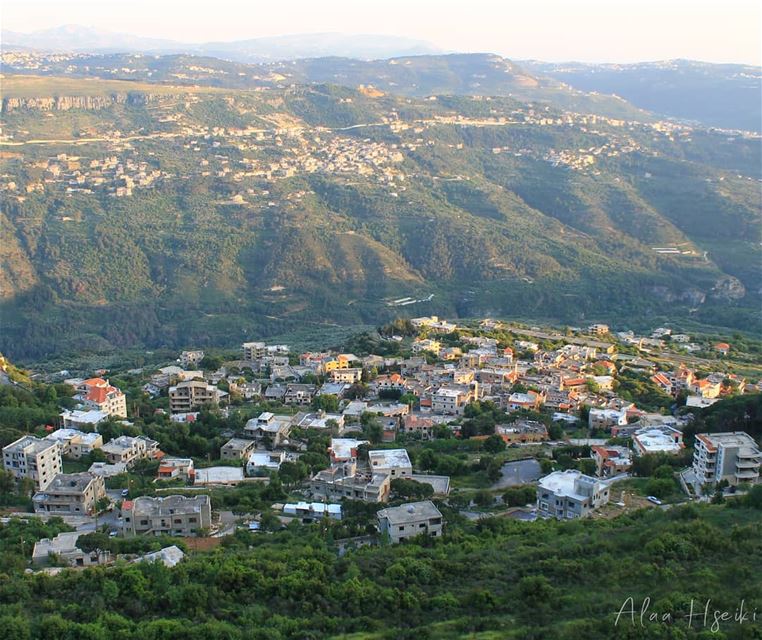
[(429, 418)]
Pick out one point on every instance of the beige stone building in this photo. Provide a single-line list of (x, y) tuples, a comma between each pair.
[(410, 520), (190, 395), (170, 515), (70, 494)]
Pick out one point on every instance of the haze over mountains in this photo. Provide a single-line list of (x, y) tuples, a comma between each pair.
[(167, 199), (75, 38)]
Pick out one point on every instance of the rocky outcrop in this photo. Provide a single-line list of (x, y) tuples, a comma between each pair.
[(728, 288), (65, 103)]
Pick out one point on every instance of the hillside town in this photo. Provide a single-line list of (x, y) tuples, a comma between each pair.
[(482, 418)]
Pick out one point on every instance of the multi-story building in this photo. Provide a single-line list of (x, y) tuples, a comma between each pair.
[(732, 456), (127, 450), (253, 350), (570, 494), (410, 520), (300, 393), (70, 493), (187, 396), (269, 427), (191, 358), (658, 439), (611, 460), (33, 458), (344, 481), (98, 394), (606, 418), (451, 400), (74, 443), (171, 515)]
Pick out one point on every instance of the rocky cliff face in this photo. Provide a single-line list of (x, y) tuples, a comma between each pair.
[(64, 103)]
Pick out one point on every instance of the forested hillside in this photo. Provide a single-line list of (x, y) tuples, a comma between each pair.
[(162, 215), (494, 579)]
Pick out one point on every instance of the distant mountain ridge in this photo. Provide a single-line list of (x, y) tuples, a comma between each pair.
[(719, 95), (74, 38)]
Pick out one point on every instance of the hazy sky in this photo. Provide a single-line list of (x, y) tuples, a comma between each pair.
[(590, 30)]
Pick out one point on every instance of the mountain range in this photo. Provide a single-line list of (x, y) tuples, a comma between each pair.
[(78, 39), (195, 205)]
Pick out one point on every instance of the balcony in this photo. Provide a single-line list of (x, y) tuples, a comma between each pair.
[(747, 463), (747, 475)]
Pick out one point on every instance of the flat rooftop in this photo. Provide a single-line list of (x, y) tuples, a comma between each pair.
[(388, 458)]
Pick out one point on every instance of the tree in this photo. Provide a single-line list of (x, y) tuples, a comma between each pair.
[(407, 488), (494, 444), (211, 363), (328, 403)]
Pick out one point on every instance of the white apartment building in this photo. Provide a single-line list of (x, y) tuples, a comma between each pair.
[(570, 494), (731, 456), (33, 458)]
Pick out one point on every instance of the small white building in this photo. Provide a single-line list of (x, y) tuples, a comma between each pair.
[(410, 520)]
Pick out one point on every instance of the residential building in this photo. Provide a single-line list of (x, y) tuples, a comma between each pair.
[(128, 450), (522, 431), (731, 456), (264, 461), (570, 494), (177, 468), (64, 548), (344, 449), (349, 375), (410, 520), (312, 511), (598, 329), (394, 462), (611, 460), (529, 401), (237, 449), (254, 350), (451, 400), (269, 428), (33, 458), (658, 439), (299, 394), (344, 481), (191, 359), (98, 394), (70, 494), (187, 396), (74, 443), (418, 424), (605, 419), (170, 515), (78, 419)]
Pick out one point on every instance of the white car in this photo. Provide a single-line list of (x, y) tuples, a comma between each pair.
[(654, 499)]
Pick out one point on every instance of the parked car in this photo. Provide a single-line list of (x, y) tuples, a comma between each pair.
[(654, 499)]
